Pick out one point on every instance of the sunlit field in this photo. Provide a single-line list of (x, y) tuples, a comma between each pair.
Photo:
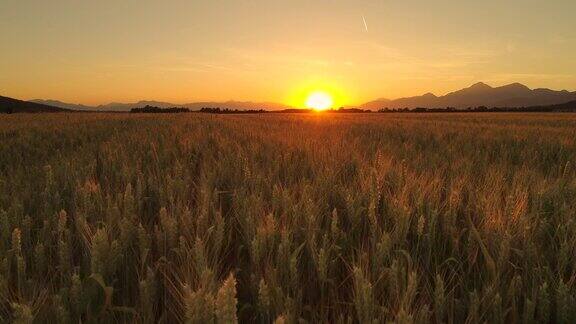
[(331, 218)]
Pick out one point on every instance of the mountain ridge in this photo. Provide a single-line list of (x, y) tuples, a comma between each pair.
[(479, 94)]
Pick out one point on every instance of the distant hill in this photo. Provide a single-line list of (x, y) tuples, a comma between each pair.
[(9, 105), (64, 105), (480, 94), (233, 105), (376, 104)]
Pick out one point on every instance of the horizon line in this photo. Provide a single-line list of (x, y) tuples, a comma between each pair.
[(189, 102)]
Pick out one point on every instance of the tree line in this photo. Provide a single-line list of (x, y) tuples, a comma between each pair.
[(156, 110), (566, 107)]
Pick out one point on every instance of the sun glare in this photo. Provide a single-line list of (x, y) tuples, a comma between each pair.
[(319, 101)]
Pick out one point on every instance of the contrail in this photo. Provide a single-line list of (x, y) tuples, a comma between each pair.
[(365, 24)]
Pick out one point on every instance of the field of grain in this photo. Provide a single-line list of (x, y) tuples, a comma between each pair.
[(361, 218)]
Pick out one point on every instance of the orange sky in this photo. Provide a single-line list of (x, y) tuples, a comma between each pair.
[(95, 52)]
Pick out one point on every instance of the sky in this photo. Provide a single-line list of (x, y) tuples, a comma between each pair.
[(96, 52)]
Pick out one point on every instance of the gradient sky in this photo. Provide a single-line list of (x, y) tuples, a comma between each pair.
[(95, 52)]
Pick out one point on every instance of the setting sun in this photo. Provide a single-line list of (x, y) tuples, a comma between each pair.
[(319, 101)]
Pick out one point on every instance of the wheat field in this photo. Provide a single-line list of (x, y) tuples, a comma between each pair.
[(303, 218)]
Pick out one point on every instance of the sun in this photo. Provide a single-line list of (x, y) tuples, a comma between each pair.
[(319, 101)]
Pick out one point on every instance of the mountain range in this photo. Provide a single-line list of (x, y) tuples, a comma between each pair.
[(116, 107), (479, 94)]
